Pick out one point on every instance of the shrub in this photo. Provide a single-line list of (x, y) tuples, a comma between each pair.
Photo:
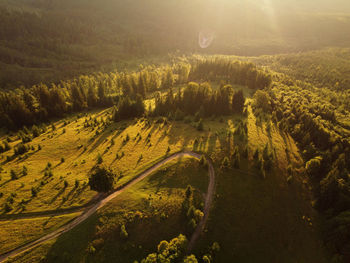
[(215, 248), (35, 131), (21, 148), (206, 259), (123, 234), (198, 215), (225, 163), (190, 259), (192, 223), (48, 173), (191, 211)]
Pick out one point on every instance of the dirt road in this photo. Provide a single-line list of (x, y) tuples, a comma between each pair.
[(99, 204)]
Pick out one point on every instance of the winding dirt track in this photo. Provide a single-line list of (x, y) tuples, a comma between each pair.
[(100, 203)]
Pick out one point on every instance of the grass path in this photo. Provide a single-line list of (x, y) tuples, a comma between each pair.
[(102, 202)]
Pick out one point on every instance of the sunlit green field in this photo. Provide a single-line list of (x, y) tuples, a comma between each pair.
[(150, 210), (21, 231)]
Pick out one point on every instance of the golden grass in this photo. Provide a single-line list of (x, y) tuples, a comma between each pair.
[(151, 211), (80, 146), (14, 233)]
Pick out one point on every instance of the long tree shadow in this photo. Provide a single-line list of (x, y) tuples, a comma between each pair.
[(60, 192), (73, 245)]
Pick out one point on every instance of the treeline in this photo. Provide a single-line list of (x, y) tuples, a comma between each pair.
[(40, 103), (314, 124), (236, 72), (199, 99), (327, 68)]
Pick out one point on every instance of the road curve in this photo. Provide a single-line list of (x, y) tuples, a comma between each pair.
[(99, 204)]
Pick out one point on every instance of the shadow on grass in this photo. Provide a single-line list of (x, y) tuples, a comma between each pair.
[(72, 246)]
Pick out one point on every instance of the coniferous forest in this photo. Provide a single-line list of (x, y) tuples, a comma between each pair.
[(174, 131)]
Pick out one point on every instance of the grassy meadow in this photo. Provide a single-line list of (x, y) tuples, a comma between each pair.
[(15, 233), (151, 211)]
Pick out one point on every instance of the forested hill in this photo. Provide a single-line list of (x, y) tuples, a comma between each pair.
[(47, 41)]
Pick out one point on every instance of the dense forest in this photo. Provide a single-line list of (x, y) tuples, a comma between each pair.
[(320, 126), (49, 41), (41, 103)]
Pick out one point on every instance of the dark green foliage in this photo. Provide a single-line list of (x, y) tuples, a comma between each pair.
[(262, 101), (101, 179), (237, 72), (238, 102), (20, 149), (128, 108), (309, 115), (172, 251)]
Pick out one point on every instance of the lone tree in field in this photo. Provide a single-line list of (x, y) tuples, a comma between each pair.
[(101, 179)]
